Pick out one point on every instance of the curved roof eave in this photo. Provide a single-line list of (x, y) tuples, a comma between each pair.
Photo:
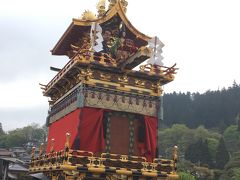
[(62, 38), (117, 9)]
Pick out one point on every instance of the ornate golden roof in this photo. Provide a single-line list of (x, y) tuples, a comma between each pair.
[(79, 26)]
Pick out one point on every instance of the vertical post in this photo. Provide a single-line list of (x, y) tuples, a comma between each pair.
[(33, 153), (5, 176), (41, 150), (160, 119), (66, 148), (67, 144), (80, 96), (175, 158), (52, 146), (108, 131), (1, 168)]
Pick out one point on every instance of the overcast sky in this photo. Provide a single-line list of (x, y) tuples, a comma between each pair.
[(201, 36)]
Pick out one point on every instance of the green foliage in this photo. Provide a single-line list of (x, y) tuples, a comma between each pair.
[(211, 109), (203, 173), (182, 136), (185, 166), (232, 138), (179, 135), (222, 155), (185, 176), (3, 140), (199, 173), (234, 162), (212, 146), (21, 136), (15, 138), (1, 130), (236, 174), (198, 153), (217, 173), (232, 168)]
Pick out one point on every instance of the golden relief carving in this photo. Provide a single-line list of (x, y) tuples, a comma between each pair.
[(62, 164), (101, 8), (88, 15), (125, 82), (162, 71), (123, 79), (120, 103), (116, 46)]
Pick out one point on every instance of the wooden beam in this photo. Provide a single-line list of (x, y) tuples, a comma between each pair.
[(54, 69)]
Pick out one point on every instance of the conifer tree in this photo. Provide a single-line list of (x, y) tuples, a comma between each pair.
[(238, 121), (198, 153), (1, 129), (206, 157), (222, 155)]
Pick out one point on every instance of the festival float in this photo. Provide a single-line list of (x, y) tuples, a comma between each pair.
[(104, 115)]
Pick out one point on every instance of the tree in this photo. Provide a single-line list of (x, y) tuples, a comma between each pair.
[(212, 146), (211, 109), (238, 121), (1, 130), (21, 136), (222, 155), (232, 168), (15, 138), (185, 176), (236, 174), (206, 157), (179, 135), (232, 138), (198, 153)]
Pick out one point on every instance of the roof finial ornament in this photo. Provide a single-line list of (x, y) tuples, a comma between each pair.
[(156, 46), (111, 3), (124, 4), (88, 15), (101, 8)]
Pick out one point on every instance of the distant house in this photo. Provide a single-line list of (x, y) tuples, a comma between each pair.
[(5, 153), (14, 164), (18, 151)]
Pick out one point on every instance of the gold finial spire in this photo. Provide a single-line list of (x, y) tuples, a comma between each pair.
[(124, 4), (52, 146), (175, 158), (113, 2), (88, 15), (41, 149), (67, 144), (101, 8), (33, 152)]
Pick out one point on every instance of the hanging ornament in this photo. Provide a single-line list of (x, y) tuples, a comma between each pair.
[(96, 37), (156, 46)]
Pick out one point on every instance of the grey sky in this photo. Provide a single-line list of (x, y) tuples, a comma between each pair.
[(201, 36)]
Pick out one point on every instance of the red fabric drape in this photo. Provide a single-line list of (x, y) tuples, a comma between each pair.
[(91, 130), (85, 125), (148, 148), (58, 130)]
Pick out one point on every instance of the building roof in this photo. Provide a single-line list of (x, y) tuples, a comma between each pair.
[(78, 26), (17, 167), (5, 152), (11, 160)]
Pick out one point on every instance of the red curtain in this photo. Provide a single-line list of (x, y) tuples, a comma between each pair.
[(85, 126), (91, 130), (148, 148), (58, 130)]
